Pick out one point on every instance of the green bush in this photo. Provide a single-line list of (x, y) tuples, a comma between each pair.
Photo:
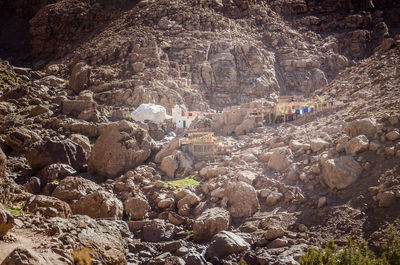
[(391, 248), (355, 253)]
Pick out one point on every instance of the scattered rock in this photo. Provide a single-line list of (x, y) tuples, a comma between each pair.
[(318, 144), (393, 135), (366, 127), (280, 158), (211, 171), (136, 207), (20, 139), (341, 172), (242, 199), (169, 165), (387, 198), (72, 189), (3, 164), (321, 202), (80, 77), (98, 204), (225, 243), (357, 144), (48, 206), (273, 233), (52, 152), (21, 255), (209, 223)]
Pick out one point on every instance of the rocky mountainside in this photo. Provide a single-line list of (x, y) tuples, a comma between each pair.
[(202, 53), (79, 180)]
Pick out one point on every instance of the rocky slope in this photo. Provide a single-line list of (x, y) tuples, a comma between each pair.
[(201, 53), (71, 162)]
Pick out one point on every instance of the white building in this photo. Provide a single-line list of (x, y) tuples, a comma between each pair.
[(150, 112), (183, 121)]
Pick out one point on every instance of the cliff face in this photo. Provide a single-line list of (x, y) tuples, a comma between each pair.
[(204, 53)]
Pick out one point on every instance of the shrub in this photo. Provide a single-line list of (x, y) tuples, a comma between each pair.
[(391, 248), (356, 253), (82, 256)]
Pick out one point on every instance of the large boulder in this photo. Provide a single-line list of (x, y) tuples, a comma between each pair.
[(52, 152), (365, 126), (72, 189), (55, 172), (245, 127), (210, 222), (393, 135), (102, 237), (157, 230), (225, 243), (20, 139), (6, 221), (296, 145), (99, 204), (280, 158), (169, 165), (242, 199), (80, 77), (213, 171), (340, 173), (121, 146), (357, 144), (386, 198), (81, 140), (167, 150), (3, 164), (187, 200), (48, 206), (318, 144), (137, 207)]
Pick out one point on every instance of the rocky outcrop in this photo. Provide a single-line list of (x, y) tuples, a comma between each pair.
[(52, 152), (6, 221), (341, 172), (242, 199), (121, 146), (210, 222)]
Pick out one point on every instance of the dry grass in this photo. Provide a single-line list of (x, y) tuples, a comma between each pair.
[(82, 256)]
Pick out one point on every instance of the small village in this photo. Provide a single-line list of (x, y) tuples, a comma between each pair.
[(201, 141), (200, 132)]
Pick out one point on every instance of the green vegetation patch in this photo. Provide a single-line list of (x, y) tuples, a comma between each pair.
[(185, 182), (15, 211), (8, 78), (356, 253)]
